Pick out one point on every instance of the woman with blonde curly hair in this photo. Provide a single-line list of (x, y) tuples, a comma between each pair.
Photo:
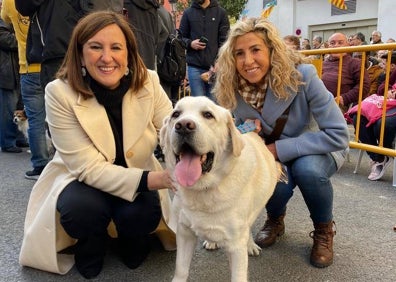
[(260, 79)]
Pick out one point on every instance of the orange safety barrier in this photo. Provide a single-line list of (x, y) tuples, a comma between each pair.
[(363, 49)]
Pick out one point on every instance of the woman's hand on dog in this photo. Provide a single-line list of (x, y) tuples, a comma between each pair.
[(159, 180)]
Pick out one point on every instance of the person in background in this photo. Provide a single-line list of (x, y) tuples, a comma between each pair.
[(392, 69), (390, 40), (376, 38), (55, 31), (383, 58), (374, 71), (204, 27), (144, 18), (31, 90), (10, 138), (317, 42), (111, 106), (167, 27), (292, 42), (350, 39), (357, 40), (350, 78), (305, 43), (371, 134), (305, 47), (259, 78)]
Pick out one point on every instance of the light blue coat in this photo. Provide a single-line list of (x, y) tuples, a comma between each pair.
[(315, 125)]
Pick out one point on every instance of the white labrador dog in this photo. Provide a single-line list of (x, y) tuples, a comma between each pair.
[(223, 180)]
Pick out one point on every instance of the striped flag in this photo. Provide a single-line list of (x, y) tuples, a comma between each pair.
[(268, 9), (340, 4)]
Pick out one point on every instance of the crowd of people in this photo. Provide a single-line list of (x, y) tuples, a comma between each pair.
[(347, 91), (95, 66)]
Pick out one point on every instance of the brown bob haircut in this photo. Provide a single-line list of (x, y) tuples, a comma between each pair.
[(85, 29)]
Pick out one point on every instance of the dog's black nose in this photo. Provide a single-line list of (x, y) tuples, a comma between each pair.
[(185, 126)]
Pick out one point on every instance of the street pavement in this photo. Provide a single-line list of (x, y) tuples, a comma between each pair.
[(365, 244)]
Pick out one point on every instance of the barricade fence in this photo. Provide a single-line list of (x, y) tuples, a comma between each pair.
[(363, 49)]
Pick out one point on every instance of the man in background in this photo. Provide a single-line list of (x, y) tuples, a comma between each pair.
[(350, 77), (144, 18), (31, 90), (167, 27), (357, 40), (10, 138), (204, 27)]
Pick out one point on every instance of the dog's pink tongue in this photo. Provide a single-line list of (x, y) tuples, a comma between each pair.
[(188, 170)]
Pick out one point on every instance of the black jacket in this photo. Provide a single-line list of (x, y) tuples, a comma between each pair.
[(166, 27), (143, 16), (212, 23), (9, 67), (57, 18)]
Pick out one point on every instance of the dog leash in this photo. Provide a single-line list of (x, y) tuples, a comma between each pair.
[(279, 125)]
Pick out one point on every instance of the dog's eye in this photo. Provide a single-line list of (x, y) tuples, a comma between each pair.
[(175, 114), (207, 115)]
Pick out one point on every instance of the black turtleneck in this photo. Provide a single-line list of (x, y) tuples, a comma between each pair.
[(111, 99)]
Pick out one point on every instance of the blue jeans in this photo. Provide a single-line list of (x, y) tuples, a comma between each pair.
[(8, 129), (197, 86), (33, 99), (312, 175)]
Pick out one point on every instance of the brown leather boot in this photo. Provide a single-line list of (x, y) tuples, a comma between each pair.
[(273, 228), (322, 250)]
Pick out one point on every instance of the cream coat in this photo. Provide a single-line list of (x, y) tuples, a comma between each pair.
[(83, 137)]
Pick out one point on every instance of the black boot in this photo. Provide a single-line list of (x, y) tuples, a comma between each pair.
[(89, 255), (134, 250)]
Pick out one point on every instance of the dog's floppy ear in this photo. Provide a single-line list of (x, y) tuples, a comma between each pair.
[(163, 132), (236, 136)]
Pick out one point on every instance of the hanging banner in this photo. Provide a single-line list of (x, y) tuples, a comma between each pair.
[(268, 9), (340, 4)]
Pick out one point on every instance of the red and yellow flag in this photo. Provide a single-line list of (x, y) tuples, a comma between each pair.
[(268, 9), (340, 4)]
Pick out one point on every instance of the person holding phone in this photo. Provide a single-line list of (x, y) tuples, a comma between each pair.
[(204, 27)]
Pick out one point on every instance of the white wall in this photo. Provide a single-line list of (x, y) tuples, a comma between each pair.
[(387, 19), (290, 15)]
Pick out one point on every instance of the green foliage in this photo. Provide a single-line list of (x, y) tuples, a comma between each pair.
[(233, 7)]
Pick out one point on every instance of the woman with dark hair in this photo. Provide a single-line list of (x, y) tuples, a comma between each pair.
[(104, 111)]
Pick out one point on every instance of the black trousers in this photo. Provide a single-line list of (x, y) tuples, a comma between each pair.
[(86, 212)]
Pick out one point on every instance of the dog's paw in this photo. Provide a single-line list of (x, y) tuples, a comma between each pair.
[(210, 245), (254, 250)]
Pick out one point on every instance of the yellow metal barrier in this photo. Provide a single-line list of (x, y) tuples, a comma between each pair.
[(318, 63)]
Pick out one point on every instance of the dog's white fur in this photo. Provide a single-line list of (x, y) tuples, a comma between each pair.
[(223, 204), (20, 120)]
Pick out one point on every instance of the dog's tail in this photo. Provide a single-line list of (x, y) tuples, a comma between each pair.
[(282, 172)]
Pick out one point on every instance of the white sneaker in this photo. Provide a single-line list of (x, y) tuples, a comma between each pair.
[(378, 169)]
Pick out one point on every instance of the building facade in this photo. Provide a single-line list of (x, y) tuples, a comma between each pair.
[(307, 18)]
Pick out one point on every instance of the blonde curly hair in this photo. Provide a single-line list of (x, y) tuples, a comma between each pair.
[(283, 75)]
